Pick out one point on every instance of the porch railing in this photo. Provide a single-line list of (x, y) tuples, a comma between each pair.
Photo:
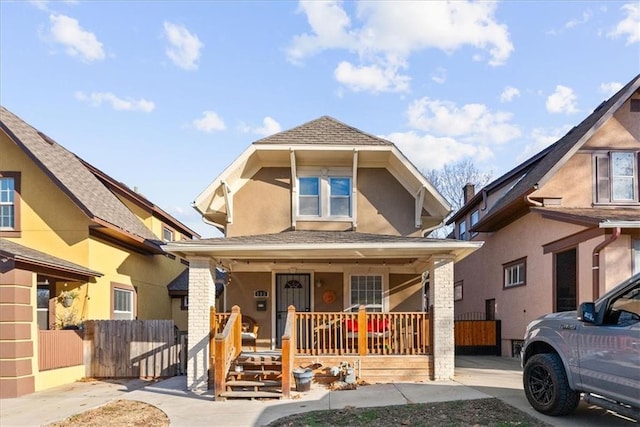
[(227, 345), (362, 333)]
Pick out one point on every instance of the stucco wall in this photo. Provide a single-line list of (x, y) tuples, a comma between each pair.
[(241, 292), (405, 292), (263, 205)]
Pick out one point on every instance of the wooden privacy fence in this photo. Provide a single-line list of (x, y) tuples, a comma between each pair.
[(478, 337), (131, 348), (59, 349)]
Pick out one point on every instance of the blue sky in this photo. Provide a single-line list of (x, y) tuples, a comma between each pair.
[(163, 95)]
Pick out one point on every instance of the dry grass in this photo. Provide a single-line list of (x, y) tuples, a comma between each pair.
[(122, 413)]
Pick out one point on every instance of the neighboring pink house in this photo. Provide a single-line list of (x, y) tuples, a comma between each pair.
[(561, 228)]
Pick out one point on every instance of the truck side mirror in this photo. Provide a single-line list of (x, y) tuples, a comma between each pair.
[(587, 312)]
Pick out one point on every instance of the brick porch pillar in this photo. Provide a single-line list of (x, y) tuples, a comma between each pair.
[(202, 293), (16, 340), (441, 297)]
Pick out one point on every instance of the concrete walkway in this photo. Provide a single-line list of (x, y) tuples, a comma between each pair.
[(476, 378)]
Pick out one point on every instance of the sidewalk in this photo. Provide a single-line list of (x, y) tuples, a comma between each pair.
[(476, 378)]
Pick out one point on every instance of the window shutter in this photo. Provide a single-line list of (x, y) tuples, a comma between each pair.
[(603, 187)]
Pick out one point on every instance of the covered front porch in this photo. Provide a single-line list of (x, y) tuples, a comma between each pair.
[(374, 301)]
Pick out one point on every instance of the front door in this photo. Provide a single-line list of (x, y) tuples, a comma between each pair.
[(291, 289), (566, 280)]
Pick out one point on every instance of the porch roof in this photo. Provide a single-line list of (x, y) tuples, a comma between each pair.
[(324, 247), (601, 217)]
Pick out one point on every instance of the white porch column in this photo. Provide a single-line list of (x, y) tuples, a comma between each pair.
[(441, 297), (202, 293)]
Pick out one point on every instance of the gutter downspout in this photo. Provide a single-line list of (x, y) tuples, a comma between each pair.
[(596, 261)]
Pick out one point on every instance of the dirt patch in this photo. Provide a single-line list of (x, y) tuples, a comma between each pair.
[(124, 413), (477, 413)]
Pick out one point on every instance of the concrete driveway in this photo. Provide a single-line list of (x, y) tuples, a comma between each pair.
[(501, 377)]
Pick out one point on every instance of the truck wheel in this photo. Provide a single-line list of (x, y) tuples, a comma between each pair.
[(546, 385)]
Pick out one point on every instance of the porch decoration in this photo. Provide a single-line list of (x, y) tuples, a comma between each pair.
[(66, 298), (303, 378)]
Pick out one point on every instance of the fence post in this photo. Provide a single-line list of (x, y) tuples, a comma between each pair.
[(362, 330), (212, 347), (288, 350), (87, 344)]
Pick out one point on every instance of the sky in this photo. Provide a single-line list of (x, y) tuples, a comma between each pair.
[(164, 95)]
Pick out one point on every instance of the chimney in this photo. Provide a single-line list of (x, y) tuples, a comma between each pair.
[(469, 190)]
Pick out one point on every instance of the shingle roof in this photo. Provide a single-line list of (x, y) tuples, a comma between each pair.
[(180, 285), (325, 131), (591, 215), (555, 155), (68, 172), (22, 253), (309, 237)]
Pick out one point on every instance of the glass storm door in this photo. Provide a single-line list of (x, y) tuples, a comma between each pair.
[(291, 289)]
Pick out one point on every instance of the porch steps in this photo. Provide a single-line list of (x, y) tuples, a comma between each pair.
[(255, 375)]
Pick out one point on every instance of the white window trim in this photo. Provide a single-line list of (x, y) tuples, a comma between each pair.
[(323, 174), (506, 268), (608, 155), (383, 272), (131, 300)]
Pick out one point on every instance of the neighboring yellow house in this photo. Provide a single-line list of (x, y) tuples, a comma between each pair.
[(559, 229), (68, 229)]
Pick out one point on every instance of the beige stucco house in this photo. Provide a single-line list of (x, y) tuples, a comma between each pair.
[(561, 228), (325, 218)]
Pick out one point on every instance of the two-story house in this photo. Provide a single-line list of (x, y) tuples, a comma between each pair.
[(324, 218), (561, 228), (68, 229)]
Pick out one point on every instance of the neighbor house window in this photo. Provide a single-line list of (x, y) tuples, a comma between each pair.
[(123, 303), (636, 256), (366, 290), (462, 230), (9, 203), (457, 291), (515, 273), (475, 217), (167, 234), (184, 302), (325, 196), (616, 176)]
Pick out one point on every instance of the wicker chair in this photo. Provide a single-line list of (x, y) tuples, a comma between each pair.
[(249, 332)]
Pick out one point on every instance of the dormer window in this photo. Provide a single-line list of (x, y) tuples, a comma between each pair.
[(324, 195), (616, 175)]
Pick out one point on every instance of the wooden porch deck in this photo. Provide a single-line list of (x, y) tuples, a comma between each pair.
[(381, 347)]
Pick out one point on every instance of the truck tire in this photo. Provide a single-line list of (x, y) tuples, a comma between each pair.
[(546, 385)]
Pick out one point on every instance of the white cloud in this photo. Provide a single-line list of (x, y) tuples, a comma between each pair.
[(541, 139), (509, 93), (98, 98), (371, 78), (629, 27), (471, 122), (184, 48), (209, 122), (610, 88), (78, 42), (430, 152), (563, 100), (586, 16), (269, 127), (439, 76), (389, 32)]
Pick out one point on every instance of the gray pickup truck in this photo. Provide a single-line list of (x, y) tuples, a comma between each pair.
[(594, 351)]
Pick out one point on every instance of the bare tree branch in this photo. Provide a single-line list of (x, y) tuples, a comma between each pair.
[(450, 182)]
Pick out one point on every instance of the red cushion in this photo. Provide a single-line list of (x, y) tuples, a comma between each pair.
[(352, 325), (379, 325)]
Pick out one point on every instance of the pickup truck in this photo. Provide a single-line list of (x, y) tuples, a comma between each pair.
[(594, 351)]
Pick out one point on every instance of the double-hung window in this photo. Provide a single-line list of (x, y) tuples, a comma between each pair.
[(616, 177), (324, 195), (462, 230), (123, 304), (366, 290), (475, 217), (9, 188), (515, 273)]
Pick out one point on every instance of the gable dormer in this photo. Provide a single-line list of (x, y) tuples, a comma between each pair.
[(322, 175)]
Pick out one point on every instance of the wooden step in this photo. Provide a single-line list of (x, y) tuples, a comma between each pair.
[(251, 395), (254, 384), (258, 362), (254, 373)]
